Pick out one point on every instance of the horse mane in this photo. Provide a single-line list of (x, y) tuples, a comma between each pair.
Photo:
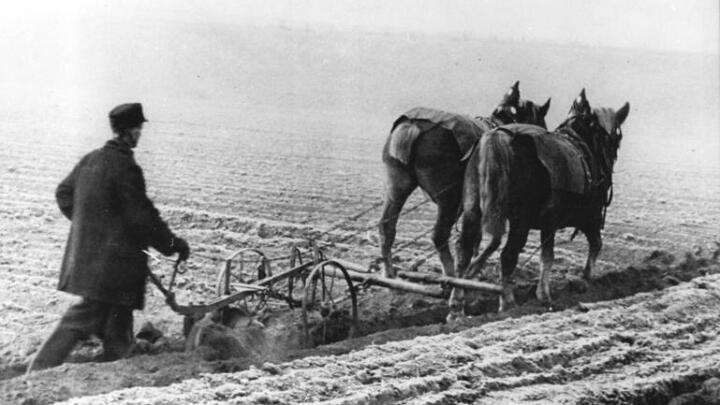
[(522, 106), (575, 122), (579, 127), (530, 107)]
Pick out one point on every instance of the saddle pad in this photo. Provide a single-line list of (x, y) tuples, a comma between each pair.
[(564, 161), (467, 131)]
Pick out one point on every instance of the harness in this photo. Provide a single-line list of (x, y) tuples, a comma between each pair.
[(488, 124), (594, 146)]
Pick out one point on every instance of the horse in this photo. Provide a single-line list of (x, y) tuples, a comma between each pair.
[(535, 179), (427, 148)]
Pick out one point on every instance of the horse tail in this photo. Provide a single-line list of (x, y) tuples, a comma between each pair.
[(401, 140), (494, 179)]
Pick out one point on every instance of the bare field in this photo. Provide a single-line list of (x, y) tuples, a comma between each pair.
[(278, 166), (631, 350)]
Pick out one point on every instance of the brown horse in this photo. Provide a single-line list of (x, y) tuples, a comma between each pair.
[(535, 179), (426, 148)]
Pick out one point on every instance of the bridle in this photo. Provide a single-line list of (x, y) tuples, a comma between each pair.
[(500, 113)]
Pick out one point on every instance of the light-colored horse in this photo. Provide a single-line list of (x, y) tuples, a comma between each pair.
[(435, 165)]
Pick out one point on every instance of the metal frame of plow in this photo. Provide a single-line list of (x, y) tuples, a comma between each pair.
[(243, 290)]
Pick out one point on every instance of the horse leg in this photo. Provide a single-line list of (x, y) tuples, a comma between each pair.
[(517, 237), (439, 173), (457, 295), (448, 205), (595, 241), (478, 263), (547, 255), (447, 213), (467, 241), (470, 235), (400, 184), (468, 238)]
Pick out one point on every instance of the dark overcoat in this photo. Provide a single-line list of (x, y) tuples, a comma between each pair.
[(113, 220)]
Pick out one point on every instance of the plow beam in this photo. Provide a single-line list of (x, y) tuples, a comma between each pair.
[(393, 283), (360, 271)]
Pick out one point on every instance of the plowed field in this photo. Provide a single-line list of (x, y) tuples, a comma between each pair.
[(268, 176)]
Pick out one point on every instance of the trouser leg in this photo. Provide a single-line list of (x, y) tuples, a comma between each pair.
[(117, 333), (55, 349), (79, 321)]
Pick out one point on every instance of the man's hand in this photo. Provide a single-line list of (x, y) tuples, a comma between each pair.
[(182, 248)]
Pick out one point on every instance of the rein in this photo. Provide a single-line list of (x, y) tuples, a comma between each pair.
[(608, 200)]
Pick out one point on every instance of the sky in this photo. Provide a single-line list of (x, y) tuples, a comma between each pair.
[(671, 25)]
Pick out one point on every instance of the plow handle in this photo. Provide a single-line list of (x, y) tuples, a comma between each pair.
[(169, 295), (178, 268)]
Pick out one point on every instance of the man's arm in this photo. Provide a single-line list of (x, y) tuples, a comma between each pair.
[(141, 214), (65, 191)]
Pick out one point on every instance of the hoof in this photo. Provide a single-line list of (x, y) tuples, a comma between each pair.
[(506, 304), (543, 294), (456, 316), (507, 299), (545, 301)]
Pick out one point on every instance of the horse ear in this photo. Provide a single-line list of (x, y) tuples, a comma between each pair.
[(545, 107), (582, 96), (623, 113), (581, 105)]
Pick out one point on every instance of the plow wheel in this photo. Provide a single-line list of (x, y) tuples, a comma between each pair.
[(246, 266), (329, 310)]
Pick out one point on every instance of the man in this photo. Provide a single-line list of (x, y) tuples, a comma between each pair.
[(113, 220)]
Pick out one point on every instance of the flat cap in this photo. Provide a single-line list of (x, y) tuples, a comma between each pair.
[(127, 115)]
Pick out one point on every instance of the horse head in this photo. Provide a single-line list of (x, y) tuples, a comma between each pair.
[(531, 113), (581, 119), (610, 122), (600, 128), (507, 111), (513, 109), (580, 108)]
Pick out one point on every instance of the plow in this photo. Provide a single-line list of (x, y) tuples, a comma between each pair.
[(324, 289)]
